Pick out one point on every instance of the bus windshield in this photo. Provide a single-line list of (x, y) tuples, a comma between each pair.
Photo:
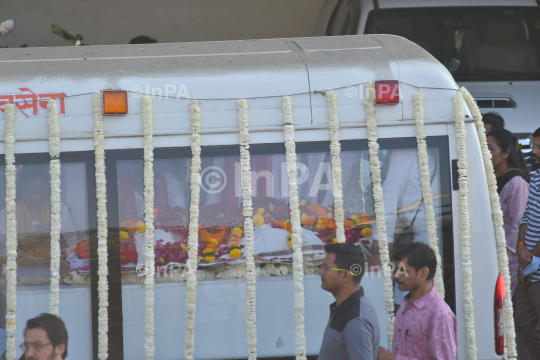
[(492, 43)]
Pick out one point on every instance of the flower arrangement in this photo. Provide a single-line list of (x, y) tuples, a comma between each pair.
[(234, 245), (335, 151), (425, 177), (298, 264), (465, 237), (508, 319), (11, 231), (101, 194), (54, 152), (148, 179), (375, 167), (195, 187)]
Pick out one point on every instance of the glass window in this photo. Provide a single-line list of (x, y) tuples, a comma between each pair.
[(33, 249), (492, 43), (221, 299), (344, 18)]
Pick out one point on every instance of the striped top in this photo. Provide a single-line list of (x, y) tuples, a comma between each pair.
[(531, 217)]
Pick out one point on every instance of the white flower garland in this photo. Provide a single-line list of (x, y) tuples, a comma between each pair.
[(298, 260), (375, 168), (425, 177), (148, 130), (54, 152), (335, 151), (249, 235), (468, 305), (11, 231), (193, 240), (101, 195), (508, 319)]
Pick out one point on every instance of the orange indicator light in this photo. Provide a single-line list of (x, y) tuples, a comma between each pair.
[(115, 102)]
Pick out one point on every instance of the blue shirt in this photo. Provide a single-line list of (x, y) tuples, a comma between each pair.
[(352, 332)]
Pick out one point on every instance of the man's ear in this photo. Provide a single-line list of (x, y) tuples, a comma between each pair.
[(423, 273), (60, 348)]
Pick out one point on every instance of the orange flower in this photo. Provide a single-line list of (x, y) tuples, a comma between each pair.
[(349, 224), (156, 212), (365, 219), (212, 246), (129, 224), (310, 220), (334, 240)]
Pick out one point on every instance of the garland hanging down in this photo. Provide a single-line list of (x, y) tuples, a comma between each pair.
[(148, 130), (193, 239), (11, 231), (425, 177), (335, 151), (375, 168), (54, 152), (101, 195), (465, 237), (508, 318), (249, 235), (298, 260)]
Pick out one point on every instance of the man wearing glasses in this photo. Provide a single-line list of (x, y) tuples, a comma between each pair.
[(45, 338), (527, 294), (353, 329)]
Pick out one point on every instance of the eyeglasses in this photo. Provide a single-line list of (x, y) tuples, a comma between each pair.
[(36, 345), (325, 269), (533, 145)]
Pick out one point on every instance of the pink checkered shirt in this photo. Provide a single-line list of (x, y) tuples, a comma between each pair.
[(425, 329)]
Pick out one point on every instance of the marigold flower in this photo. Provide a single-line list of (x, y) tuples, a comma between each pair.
[(140, 227), (209, 259), (349, 224), (238, 230), (208, 251), (124, 235), (213, 241), (366, 232), (303, 203), (260, 211), (212, 246), (319, 224), (334, 240), (235, 253), (289, 243), (258, 220)]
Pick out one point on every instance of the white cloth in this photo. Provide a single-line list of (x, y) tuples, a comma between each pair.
[(67, 229), (269, 240), (401, 189), (175, 194)]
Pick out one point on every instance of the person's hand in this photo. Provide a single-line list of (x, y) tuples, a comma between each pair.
[(509, 253), (375, 260), (520, 277), (524, 256), (385, 354)]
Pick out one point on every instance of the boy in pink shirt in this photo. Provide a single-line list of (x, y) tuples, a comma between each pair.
[(425, 327)]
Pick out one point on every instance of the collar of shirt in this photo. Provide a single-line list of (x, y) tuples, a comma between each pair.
[(348, 302), (421, 302)]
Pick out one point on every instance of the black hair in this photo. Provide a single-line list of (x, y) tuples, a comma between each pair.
[(55, 328), (494, 119), (418, 256), (536, 133), (30, 173), (349, 257), (507, 141), (143, 39)]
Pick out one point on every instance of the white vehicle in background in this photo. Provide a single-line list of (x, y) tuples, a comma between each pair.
[(497, 43), (218, 73)]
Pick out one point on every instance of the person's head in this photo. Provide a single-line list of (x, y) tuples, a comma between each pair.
[(416, 265), (33, 186), (143, 39), (492, 121), (505, 149), (535, 145), (45, 338), (342, 267)]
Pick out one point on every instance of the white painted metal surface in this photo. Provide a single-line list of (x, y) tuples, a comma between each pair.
[(251, 69)]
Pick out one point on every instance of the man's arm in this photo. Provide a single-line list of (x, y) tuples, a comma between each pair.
[(443, 336), (524, 255), (358, 336)]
